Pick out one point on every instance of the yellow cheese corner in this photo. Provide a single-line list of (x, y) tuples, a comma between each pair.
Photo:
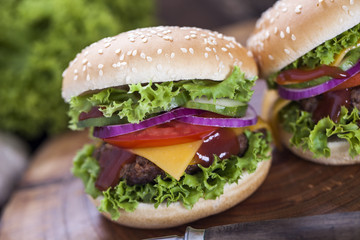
[(172, 159)]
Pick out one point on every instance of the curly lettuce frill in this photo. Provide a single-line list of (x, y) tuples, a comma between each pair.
[(314, 137), (208, 183), (140, 101)]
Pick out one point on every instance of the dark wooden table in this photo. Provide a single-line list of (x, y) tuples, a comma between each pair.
[(50, 203)]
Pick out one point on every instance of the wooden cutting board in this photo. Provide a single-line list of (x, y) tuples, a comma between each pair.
[(50, 203)]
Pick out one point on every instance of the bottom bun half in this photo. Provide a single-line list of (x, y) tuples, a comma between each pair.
[(146, 216), (339, 151)]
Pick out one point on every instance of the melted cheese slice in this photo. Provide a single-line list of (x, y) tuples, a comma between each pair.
[(172, 159), (342, 54)]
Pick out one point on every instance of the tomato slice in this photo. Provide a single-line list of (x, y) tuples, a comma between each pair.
[(171, 133), (351, 82)]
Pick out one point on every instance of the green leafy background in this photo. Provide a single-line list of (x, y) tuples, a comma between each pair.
[(38, 38)]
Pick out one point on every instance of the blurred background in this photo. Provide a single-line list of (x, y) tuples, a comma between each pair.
[(38, 39)]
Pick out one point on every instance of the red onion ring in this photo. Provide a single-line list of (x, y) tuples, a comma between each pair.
[(115, 130), (249, 119), (297, 94)]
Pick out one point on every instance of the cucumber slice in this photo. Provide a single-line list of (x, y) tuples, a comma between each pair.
[(223, 106), (100, 121)]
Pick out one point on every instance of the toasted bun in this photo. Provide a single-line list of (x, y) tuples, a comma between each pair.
[(290, 29), (156, 54), (146, 216), (339, 151)]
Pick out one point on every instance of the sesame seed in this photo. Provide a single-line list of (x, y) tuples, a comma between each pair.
[(267, 34), (100, 51), (231, 56), (206, 55), (193, 35), (86, 53), (159, 51), (272, 20), (142, 55), (129, 52), (75, 71), (287, 51), (87, 77), (298, 9), (122, 63), (191, 50), (131, 39), (122, 57), (249, 53), (293, 37), (149, 59), (117, 51), (84, 68), (284, 9), (76, 77), (101, 72), (217, 57), (134, 53), (107, 45), (275, 30), (114, 65), (84, 61), (282, 35), (208, 49), (214, 49), (288, 29), (100, 66), (172, 55), (145, 40), (184, 50), (270, 57), (224, 49)]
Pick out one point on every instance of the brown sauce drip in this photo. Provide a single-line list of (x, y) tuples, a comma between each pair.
[(111, 161), (330, 104), (222, 142), (299, 75)]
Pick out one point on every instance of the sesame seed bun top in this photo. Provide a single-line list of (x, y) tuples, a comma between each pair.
[(290, 29), (156, 54)]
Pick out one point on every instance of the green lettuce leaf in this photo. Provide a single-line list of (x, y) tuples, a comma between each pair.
[(141, 101), (207, 183), (314, 137), (87, 169), (236, 87)]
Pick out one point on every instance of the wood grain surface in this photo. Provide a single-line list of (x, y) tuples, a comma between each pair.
[(50, 202)]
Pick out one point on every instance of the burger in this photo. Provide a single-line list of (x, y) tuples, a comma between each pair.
[(309, 51), (174, 137)]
